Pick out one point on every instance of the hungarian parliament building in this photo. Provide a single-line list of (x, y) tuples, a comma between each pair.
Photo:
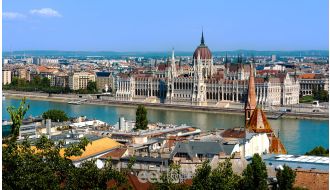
[(202, 83)]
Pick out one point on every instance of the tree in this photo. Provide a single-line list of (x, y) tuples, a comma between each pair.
[(45, 82), (141, 122), (201, 179), (321, 95), (255, 175), (318, 151), (42, 166), (55, 115), (223, 176), (16, 116), (91, 87), (285, 178)]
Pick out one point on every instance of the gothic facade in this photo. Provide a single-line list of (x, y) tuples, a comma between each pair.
[(203, 84)]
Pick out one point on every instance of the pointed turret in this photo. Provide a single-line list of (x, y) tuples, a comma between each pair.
[(173, 66), (251, 101), (202, 39)]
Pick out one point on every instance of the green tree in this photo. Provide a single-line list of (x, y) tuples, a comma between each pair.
[(14, 82), (318, 151), (89, 176), (255, 175), (223, 177), (141, 122), (16, 116), (285, 178), (42, 166), (45, 82), (36, 81), (91, 87), (55, 115), (201, 179), (321, 95)]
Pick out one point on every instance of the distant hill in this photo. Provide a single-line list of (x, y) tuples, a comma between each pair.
[(317, 53)]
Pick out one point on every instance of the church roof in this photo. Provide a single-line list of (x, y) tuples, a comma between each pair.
[(276, 146), (258, 122), (251, 102)]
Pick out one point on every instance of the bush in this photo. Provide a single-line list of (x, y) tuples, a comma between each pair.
[(55, 115)]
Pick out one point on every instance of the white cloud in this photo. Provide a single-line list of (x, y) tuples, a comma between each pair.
[(12, 15), (47, 12)]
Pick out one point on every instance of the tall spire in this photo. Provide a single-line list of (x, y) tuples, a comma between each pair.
[(226, 60), (251, 101), (173, 54), (202, 40)]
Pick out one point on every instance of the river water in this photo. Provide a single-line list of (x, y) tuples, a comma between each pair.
[(298, 135)]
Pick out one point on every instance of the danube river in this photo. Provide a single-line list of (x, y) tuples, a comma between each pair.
[(298, 136)]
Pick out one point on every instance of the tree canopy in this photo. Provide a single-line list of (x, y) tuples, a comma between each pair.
[(321, 95), (222, 177), (91, 87), (41, 165), (255, 175), (36, 84), (285, 178), (55, 115), (318, 151), (141, 121)]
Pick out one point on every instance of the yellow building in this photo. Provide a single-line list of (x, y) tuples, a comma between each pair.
[(80, 80), (6, 77)]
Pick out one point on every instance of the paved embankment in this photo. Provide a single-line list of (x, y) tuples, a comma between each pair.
[(177, 107)]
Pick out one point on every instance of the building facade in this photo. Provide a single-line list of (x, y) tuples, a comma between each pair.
[(60, 80), (80, 80), (204, 84), (309, 82), (105, 81), (22, 74), (6, 77)]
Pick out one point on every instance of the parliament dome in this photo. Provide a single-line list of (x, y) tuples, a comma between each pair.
[(203, 51)]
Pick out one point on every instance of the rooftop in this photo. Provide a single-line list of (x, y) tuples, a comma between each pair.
[(95, 148), (298, 161)]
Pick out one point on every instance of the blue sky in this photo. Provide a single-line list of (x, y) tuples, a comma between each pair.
[(149, 25)]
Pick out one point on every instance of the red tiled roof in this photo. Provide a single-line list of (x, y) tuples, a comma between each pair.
[(233, 133), (115, 154), (307, 76)]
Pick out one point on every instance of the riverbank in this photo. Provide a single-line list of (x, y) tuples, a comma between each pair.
[(158, 106)]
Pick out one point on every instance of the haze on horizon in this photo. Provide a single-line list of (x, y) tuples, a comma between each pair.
[(135, 26)]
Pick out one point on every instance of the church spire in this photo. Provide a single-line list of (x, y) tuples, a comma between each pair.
[(251, 101), (202, 40)]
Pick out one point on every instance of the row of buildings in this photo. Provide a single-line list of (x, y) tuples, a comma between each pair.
[(199, 82)]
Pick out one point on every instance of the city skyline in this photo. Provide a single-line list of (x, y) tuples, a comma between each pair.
[(146, 26)]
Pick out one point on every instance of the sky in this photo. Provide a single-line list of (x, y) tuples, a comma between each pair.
[(149, 25)]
